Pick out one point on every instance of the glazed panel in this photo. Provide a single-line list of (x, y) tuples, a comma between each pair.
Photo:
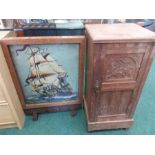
[(47, 72)]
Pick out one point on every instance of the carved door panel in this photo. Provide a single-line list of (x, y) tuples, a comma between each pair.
[(117, 71)]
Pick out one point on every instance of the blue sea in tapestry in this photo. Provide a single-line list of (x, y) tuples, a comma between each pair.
[(47, 72)]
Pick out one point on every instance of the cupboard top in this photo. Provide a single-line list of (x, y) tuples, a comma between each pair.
[(119, 32)]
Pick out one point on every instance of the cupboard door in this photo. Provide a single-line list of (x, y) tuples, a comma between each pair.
[(118, 69)]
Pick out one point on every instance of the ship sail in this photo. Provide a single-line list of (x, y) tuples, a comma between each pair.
[(36, 58), (44, 69), (54, 65), (46, 66)]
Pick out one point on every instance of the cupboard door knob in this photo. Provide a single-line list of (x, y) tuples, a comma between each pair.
[(97, 86)]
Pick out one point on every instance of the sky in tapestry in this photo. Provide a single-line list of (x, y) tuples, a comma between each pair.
[(66, 55)]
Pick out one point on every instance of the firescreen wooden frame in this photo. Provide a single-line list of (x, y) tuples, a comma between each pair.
[(6, 42)]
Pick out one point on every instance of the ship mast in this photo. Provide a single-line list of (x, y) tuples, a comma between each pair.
[(36, 64)]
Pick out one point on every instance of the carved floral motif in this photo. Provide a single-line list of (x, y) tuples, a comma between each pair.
[(122, 67)]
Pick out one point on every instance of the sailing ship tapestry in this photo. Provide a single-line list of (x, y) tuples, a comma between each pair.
[(47, 73)]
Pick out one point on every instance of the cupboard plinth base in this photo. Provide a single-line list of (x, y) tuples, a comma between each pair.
[(125, 124)]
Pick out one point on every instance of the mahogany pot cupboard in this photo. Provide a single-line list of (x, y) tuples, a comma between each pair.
[(119, 58)]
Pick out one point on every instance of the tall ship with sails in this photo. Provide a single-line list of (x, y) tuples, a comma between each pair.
[(48, 80)]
